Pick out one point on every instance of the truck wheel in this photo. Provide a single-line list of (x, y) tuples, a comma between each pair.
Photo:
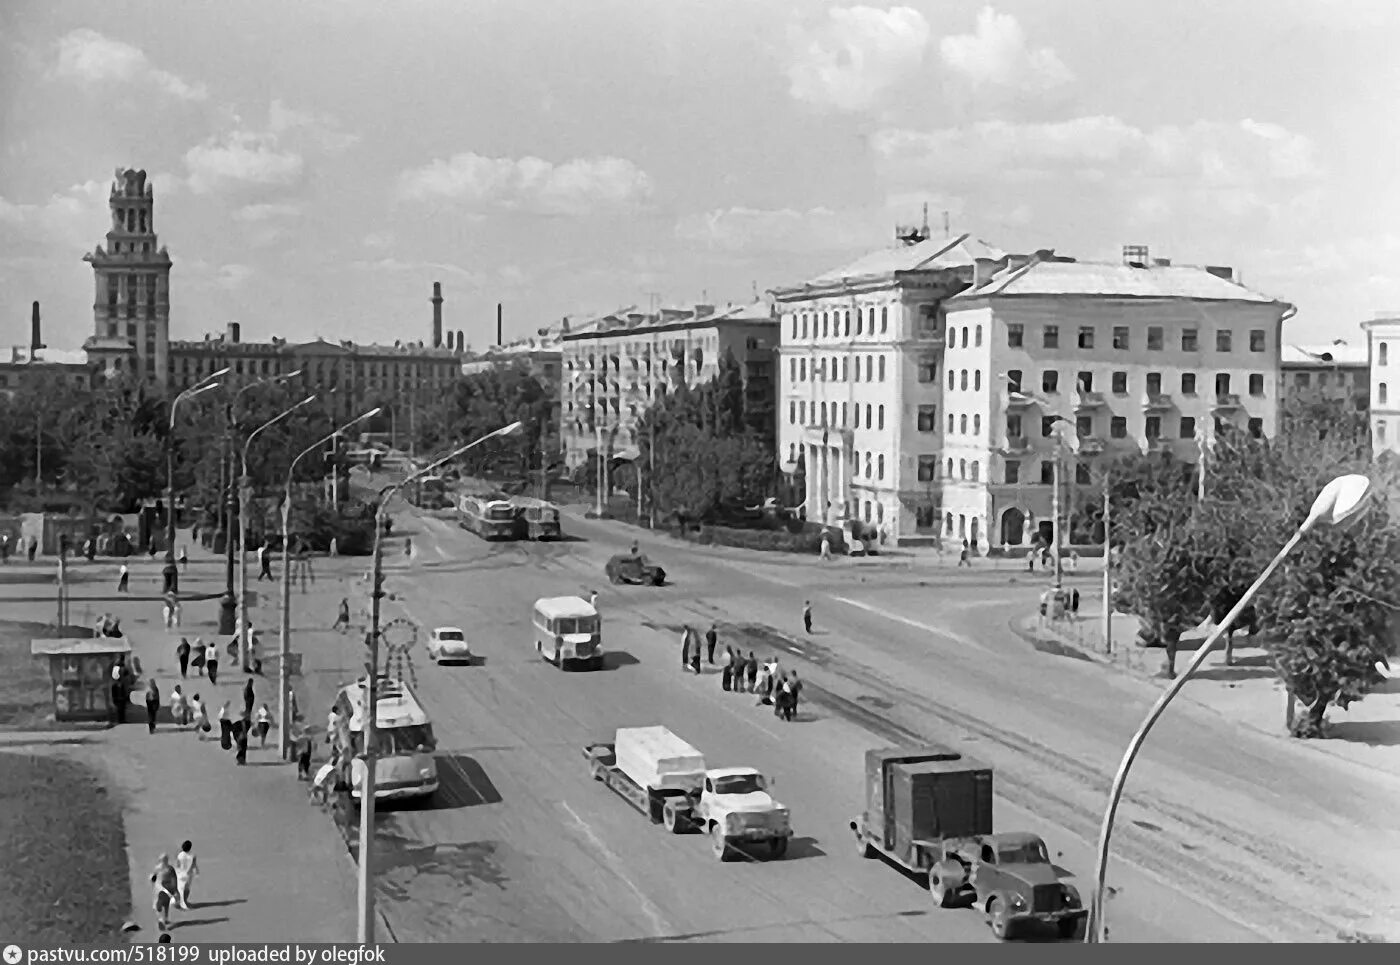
[(863, 847), (719, 844), (777, 847), (1071, 929), (675, 822), (996, 917), (938, 887), (595, 769)]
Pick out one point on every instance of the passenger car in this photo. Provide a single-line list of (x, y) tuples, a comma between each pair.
[(635, 569), (449, 645)]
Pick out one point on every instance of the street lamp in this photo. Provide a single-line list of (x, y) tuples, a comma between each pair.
[(171, 571), (245, 492), (1062, 440), (1340, 500), (228, 606), (367, 802), (284, 721)]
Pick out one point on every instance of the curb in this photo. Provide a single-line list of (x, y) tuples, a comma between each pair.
[(120, 598)]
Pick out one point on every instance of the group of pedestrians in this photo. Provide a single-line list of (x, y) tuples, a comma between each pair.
[(744, 673), (172, 883)]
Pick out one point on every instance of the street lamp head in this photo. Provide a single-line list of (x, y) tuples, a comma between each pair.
[(223, 371), (371, 413), (292, 374), (509, 430), (1341, 500)]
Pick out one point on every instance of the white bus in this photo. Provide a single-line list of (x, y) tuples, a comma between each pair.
[(568, 631), (404, 763)]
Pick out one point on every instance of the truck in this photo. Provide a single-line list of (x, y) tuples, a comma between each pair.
[(929, 811), (667, 780)]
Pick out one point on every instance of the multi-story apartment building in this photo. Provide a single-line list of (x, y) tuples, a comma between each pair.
[(1383, 340), (1097, 359), (1338, 373), (861, 370), (615, 366)]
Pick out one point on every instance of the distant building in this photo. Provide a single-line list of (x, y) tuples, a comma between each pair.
[(36, 361), (1337, 372), (615, 366), (1383, 341)]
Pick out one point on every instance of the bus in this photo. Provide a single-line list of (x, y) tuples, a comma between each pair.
[(404, 763), (486, 517), (430, 492), (536, 519), (568, 631)]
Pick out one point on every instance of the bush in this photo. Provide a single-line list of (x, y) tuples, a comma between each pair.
[(808, 539)]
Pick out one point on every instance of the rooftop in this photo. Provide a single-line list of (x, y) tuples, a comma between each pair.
[(633, 320), (1114, 280), (1339, 352), (930, 255), (23, 355)]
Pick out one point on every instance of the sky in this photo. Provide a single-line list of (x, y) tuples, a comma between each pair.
[(319, 164)]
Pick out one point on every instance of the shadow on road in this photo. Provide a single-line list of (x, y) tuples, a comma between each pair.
[(1377, 733), (462, 782), (804, 847), (616, 659)]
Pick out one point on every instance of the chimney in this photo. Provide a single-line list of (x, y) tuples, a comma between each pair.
[(437, 314), (36, 340), (461, 341), (233, 332), (500, 336)]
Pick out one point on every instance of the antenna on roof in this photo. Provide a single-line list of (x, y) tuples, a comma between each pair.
[(947, 227), (909, 234), (755, 290)]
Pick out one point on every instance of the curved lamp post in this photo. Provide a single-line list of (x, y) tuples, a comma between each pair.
[(1341, 500), (171, 571), (284, 707), (245, 492), (366, 883)]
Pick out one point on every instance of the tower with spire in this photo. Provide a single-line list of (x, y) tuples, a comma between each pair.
[(131, 309)]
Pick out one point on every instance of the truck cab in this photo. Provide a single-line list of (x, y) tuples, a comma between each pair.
[(735, 807), (1015, 869)]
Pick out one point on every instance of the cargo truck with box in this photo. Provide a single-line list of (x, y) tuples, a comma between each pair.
[(667, 780), (929, 810)]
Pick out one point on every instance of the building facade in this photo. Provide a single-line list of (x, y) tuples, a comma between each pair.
[(1073, 362), (615, 366), (1383, 341), (1337, 373)]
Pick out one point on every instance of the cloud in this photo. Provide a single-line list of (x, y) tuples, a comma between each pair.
[(857, 54), (241, 158), (203, 274), (996, 55), (260, 213), (378, 240), (786, 229), (322, 130), (87, 57), (527, 184), (268, 222), (75, 219)]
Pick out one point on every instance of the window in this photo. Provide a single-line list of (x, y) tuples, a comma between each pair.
[(962, 425), (792, 370), (1188, 428), (1382, 390), (1222, 384), (1381, 352), (1118, 427), (802, 370), (1081, 474), (857, 368), (794, 326), (802, 412), (1047, 473), (977, 380), (1013, 380), (962, 468), (1153, 429), (1013, 426), (950, 470), (950, 423), (1086, 336), (928, 372), (928, 418), (1256, 428), (882, 368), (860, 327), (952, 379), (1052, 336), (928, 468), (1084, 425), (1011, 472), (792, 412), (825, 320), (1050, 381), (948, 523), (952, 337), (1016, 337), (976, 470), (1302, 379), (1189, 342), (804, 324), (977, 425), (1256, 384), (1224, 340), (1154, 338), (978, 334), (1188, 383), (1380, 430), (845, 414), (868, 423), (869, 470), (1084, 381), (869, 368), (1154, 383), (884, 327), (880, 467), (881, 412), (1256, 340), (1047, 425), (1120, 383), (962, 380), (964, 336), (1321, 380), (848, 323), (857, 414), (1121, 340)]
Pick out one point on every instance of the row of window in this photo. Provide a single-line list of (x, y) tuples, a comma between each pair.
[(1085, 426), (1118, 381), (838, 368), (838, 415), (838, 324), (1122, 338)]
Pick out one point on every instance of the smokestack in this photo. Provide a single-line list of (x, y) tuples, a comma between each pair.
[(234, 330), (461, 341), (36, 341), (437, 314), (500, 336)]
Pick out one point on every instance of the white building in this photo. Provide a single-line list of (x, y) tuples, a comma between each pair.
[(1383, 338), (1134, 356), (1337, 372)]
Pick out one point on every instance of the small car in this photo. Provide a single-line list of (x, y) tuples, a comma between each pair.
[(635, 569), (449, 645)]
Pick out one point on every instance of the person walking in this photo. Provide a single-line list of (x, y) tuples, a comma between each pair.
[(33, 548), (184, 559), (167, 612), (152, 704), (262, 725), (826, 546), (248, 698), (241, 731), (685, 647), (123, 578), (342, 617), (593, 599), (225, 728), (1074, 602), (186, 867), (254, 650), (120, 697), (740, 667), (794, 695), (807, 616), (211, 662), (199, 714), (304, 760), (711, 639), (780, 696), (165, 892), (182, 654), (728, 669), (965, 556), (90, 550), (695, 652), (179, 707), (264, 564)]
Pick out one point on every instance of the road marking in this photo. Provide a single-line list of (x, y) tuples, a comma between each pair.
[(938, 631), (658, 921)]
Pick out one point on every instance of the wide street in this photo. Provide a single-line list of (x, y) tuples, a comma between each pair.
[(1226, 836)]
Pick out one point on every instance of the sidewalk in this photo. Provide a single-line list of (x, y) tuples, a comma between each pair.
[(1247, 692)]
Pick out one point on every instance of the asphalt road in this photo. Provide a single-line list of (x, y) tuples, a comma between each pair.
[(523, 846)]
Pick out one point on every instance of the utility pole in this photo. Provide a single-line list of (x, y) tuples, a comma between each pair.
[(369, 727), (1055, 513), (1107, 567)]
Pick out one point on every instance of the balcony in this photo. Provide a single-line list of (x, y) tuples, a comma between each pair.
[(1226, 402), (1156, 402), (1015, 445), (1013, 399), (1084, 400), (1090, 445), (1157, 446)]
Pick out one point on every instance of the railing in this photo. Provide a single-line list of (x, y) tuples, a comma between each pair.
[(1227, 400), (1156, 400), (1085, 399)]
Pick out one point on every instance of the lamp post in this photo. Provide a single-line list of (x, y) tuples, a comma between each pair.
[(284, 721), (367, 802), (1340, 500), (1057, 429), (245, 492), (171, 571)]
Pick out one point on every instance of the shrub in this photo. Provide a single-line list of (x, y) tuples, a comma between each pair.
[(807, 539)]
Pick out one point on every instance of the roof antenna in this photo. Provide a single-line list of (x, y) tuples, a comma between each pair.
[(947, 226), (925, 219), (755, 290)]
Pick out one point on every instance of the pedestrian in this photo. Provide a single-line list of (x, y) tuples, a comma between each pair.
[(780, 696), (751, 667), (342, 616), (184, 559), (807, 616), (163, 877), (304, 760), (1074, 602), (241, 731), (262, 725), (211, 662), (740, 666), (197, 656), (5, 548), (695, 652), (685, 647), (794, 695), (332, 725), (186, 867), (728, 669), (264, 564), (33, 548), (593, 599), (307, 573), (711, 639), (248, 699), (255, 650), (175, 609), (321, 785), (965, 556), (335, 547), (90, 550), (199, 714), (225, 728), (167, 611), (826, 545), (179, 707), (182, 654), (152, 704), (120, 697), (194, 532), (123, 578)]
